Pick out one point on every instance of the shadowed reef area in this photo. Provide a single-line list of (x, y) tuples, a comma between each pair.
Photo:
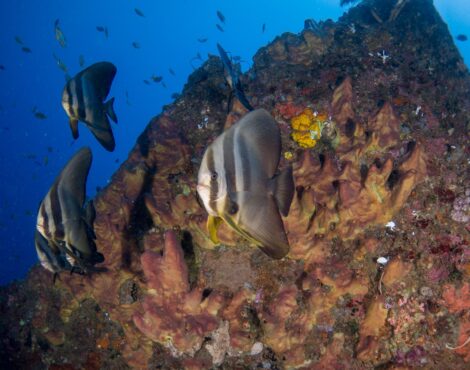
[(392, 95)]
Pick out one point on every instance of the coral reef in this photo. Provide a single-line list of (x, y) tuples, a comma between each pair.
[(378, 274)]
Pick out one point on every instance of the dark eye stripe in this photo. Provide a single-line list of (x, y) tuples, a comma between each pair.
[(243, 153)]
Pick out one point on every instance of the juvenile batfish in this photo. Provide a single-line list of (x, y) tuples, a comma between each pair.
[(65, 236), (83, 100), (237, 183)]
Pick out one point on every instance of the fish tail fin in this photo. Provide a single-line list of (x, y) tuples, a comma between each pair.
[(102, 131), (283, 187), (109, 109), (74, 127)]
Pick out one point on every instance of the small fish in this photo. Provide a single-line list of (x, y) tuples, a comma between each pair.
[(103, 29), (171, 72), (156, 79), (232, 78), (83, 100), (147, 82), (220, 16), (116, 160), (462, 37), (164, 84), (81, 60), (263, 28), (18, 40), (50, 149), (237, 183), (219, 27), (64, 237), (60, 64), (59, 35), (139, 12), (25, 49), (202, 40), (38, 114), (136, 45), (2, 67)]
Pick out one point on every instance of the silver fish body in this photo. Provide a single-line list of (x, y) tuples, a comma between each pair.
[(237, 182), (83, 100), (65, 237)]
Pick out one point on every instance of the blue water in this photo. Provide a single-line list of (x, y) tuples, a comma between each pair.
[(33, 151)]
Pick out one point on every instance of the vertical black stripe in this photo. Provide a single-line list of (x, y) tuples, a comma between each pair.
[(229, 161), (81, 104), (56, 214), (214, 186), (243, 155)]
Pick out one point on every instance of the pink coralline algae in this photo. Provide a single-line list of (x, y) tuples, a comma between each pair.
[(461, 208)]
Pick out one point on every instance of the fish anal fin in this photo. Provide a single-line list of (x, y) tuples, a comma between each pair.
[(282, 187), (109, 109), (213, 224), (102, 132), (259, 217), (73, 122)]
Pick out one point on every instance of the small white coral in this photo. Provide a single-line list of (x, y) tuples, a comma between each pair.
[(220, 343)]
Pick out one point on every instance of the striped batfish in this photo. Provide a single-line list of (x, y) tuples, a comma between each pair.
[(83, 100), (237, 183), (65, 238)]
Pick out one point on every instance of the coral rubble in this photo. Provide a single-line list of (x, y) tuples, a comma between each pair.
[(378, 274)]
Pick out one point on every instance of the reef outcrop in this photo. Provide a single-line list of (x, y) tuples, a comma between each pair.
[(374, 114)]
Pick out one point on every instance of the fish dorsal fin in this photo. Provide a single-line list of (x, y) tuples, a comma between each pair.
[(71, 183), (282, 187), (103, 133), (262, 139), (258, 215), (100, 75)]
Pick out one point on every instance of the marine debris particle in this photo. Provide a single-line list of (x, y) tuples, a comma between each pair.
[(320, 307)]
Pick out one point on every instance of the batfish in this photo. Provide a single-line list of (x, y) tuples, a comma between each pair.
[(237, 183), (83, 100), (65, 238)]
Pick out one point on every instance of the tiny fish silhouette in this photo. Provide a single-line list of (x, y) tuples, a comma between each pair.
[(462, 37), (139, 12), (220, 16)]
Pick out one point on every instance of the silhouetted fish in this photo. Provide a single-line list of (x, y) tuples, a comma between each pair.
[(139, 12), (219, 27), (232, 78), (83, 100), (136, 45), (59, 35), (462, 37), (26, 49), (220, 16), (202, 39), (65, 236), (237, 183)]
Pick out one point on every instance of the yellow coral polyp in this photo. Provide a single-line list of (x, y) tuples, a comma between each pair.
[(307, 128)]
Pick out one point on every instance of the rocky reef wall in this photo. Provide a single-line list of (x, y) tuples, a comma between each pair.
[(379, 268)]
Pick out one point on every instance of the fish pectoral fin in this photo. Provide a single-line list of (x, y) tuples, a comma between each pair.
[(213, 224), (282, 187), (73, 122), (109, 109), (102, 132), (259, 217)]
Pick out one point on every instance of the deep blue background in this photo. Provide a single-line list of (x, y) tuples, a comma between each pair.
[(34, 151)]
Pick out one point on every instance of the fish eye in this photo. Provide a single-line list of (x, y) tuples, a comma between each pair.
[(214, 176)]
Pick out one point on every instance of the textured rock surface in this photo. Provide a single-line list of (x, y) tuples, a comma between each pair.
[(396, 94)]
